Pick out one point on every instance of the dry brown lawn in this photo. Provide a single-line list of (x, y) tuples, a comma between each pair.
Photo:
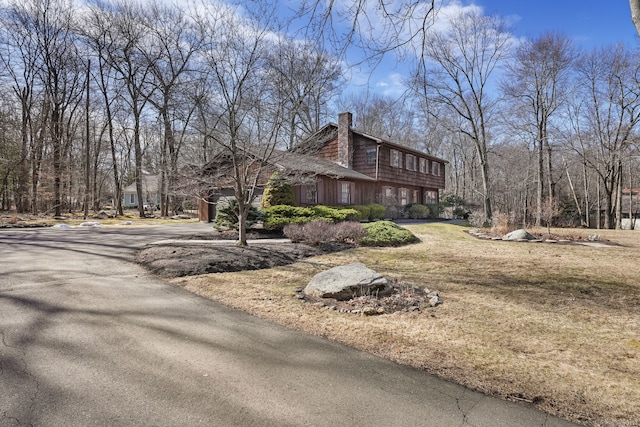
[(555, 325)]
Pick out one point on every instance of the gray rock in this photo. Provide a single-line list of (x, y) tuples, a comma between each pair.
[(345, 282), (102, 215), (434, 301), (519, 236)]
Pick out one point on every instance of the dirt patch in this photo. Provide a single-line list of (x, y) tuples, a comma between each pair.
[(403, 297), (186, 259)]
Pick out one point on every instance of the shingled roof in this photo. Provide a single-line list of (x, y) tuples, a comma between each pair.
[(303, 164)]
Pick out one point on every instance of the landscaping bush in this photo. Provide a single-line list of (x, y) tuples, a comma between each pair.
[(227, 215), (320, 231), (335, 214), (276, 217), (377, 211), (453, 206), (277, 192), (349, 232), (364, 212), (418, 211), (386, 233)]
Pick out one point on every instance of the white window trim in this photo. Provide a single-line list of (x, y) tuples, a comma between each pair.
[(423, 165), (398, 164)]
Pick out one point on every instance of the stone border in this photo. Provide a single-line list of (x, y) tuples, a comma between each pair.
[(485, 236)]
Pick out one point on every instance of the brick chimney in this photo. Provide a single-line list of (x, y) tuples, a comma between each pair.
[(345, 140)]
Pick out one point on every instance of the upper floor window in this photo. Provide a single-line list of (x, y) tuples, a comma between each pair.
[(370, 155), (423, 165), (411, 162), (435, 168), (396, 158)]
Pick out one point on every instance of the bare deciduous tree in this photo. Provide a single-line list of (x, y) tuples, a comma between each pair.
[(306, 77), (605, 117), (243, 104), (128, 56), (173, 43), (459, 63), (537, 81)]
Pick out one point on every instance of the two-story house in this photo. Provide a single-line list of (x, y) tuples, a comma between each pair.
[(340, 166), (369, 169)]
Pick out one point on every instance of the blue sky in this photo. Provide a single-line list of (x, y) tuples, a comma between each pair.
[(590, 23)]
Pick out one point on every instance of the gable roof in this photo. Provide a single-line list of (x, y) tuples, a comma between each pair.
[(150, 184), (328, 132)]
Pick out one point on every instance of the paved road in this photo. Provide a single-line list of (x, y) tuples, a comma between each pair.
[(86, 338)]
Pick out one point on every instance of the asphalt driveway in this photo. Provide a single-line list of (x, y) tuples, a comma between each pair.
[(88, 338)]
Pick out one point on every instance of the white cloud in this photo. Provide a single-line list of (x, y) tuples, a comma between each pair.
[(392, 86)]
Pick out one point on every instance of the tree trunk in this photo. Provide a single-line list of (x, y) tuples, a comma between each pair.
[(635, 13), (56, 140), (36, 158), (587, 207), (87, 176), (22, 199), (540, 182), (573, 190), (619, 197), (550, 185), (484, 166)]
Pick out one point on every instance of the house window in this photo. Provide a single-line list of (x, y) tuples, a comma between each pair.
[(403, 196), (345, 193), (310, 193), (133, 199), (411, 162), (416, 197), (371, 156), (396, 159), (435, 168), (423, 165), (430, 197), (389, 196)]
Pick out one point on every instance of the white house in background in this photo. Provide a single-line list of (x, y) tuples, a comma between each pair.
[(150, 192)]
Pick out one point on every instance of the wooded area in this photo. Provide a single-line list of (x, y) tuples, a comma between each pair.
[(95, 94)]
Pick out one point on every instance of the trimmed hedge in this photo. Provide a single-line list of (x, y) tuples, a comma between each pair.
[(335, 214), (364, 212), (276, 217), (386, 233), (417, 211), (377, 211)]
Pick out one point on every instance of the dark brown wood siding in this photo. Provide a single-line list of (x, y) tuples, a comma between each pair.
[(329, 151), (401, 176), (360, 147), (329, 192)]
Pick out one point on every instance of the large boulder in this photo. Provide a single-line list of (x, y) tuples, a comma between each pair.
[(347, 281), (519, 236)]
